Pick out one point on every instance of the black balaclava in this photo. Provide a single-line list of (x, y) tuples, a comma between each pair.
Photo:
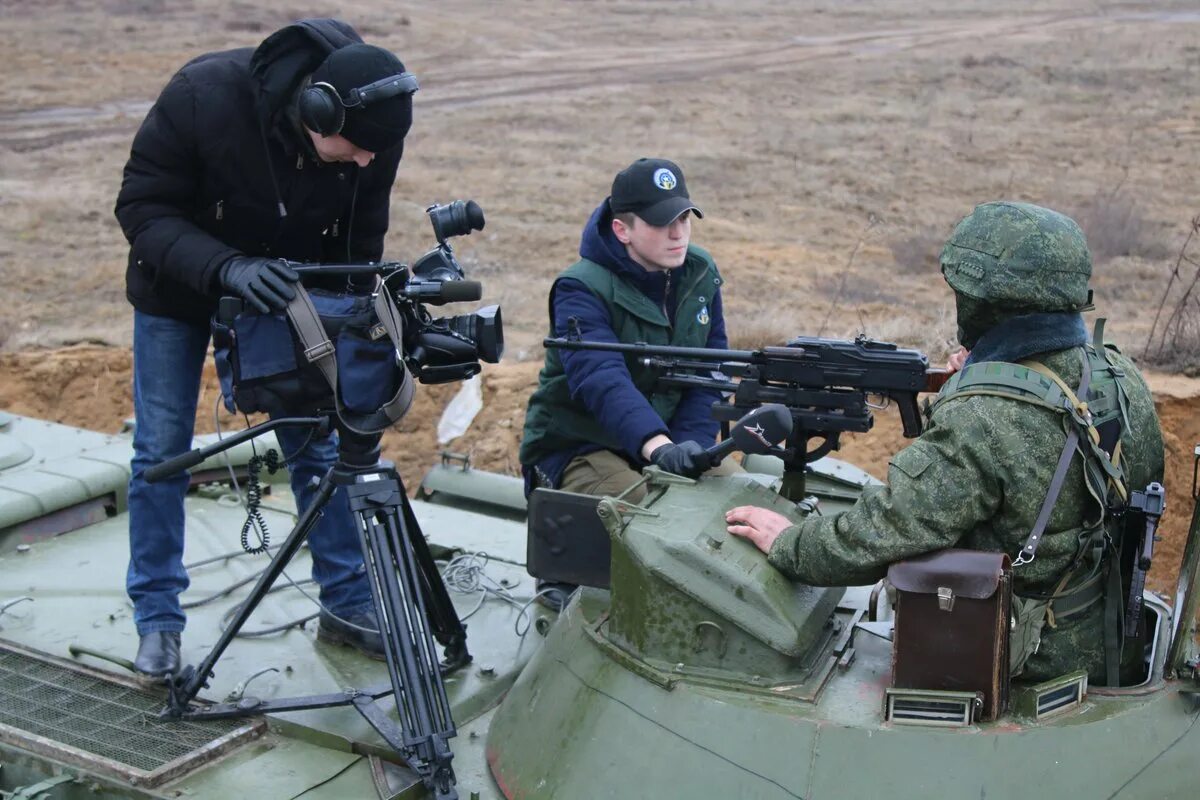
[(975, 318)]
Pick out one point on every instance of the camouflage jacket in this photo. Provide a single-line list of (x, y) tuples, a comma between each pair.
[(976, 478)]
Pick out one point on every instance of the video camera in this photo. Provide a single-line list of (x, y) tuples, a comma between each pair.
[(351, 351), (444, 349)]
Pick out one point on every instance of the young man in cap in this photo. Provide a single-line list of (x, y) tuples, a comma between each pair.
[(248, 156), (597, 418)]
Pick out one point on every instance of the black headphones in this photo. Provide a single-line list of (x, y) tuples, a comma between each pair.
[(323, 109)]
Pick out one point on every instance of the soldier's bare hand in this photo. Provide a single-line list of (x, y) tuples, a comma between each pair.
[(957, 359), (761, 526)]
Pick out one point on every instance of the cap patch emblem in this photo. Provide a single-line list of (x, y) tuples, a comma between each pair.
[(703, 317), (664, 179)]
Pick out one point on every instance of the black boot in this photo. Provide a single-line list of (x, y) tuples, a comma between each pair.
[(358, 629), (554, 596), (158, 654)]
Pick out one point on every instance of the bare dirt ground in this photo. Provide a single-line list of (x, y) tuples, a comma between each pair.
[(832, 147)]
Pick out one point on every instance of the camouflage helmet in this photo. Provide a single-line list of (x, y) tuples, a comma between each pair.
[(1019, 256)]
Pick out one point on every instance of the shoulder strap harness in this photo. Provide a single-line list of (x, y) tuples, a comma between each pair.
[(1093, 425)]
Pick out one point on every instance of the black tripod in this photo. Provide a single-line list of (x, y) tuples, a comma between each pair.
[(411, 604)]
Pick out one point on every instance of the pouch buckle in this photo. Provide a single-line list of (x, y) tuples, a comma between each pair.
[(319, 350), (945, 597)]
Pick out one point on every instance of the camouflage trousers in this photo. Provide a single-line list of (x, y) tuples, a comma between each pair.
[(603, 472)]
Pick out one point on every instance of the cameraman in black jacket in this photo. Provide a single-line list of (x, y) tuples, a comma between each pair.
[(236, 166)]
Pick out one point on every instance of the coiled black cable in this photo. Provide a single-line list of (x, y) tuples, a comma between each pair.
[(254, 517)]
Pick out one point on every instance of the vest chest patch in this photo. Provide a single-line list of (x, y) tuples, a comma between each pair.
[(703, 318)]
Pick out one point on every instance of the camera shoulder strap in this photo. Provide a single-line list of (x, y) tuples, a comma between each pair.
[(318, 349), (389, 317)]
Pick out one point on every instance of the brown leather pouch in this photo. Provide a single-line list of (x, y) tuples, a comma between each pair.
[(951, 630)]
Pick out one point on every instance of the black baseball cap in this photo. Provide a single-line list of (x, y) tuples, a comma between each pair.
[(652, 188), (378, 126)]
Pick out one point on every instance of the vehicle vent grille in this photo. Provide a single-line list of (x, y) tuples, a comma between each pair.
[(1059, 699), (929, 707), (91, 719), (1052, 697)]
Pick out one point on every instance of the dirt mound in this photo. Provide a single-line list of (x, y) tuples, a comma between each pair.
[(89, 386)]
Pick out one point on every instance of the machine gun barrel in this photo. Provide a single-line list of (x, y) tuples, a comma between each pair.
[(652, 351), (883, 357)]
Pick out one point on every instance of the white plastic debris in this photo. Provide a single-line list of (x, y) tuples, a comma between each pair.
[(460, 411)]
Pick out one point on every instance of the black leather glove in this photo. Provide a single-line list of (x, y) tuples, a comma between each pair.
[(264, 283), (687, 459)]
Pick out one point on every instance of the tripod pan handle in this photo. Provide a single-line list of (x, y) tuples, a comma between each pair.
[(175, 465)]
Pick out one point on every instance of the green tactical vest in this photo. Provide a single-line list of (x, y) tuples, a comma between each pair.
[(555, 421), (1106, 403)]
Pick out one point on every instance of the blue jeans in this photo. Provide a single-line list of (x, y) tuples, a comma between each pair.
[(168, 357)]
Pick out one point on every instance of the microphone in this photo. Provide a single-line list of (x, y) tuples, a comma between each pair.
[(459, 291), (437, 292), (718, 451), (759, 432)]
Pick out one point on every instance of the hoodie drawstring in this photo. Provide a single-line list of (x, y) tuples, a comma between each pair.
[(271, 170), (353, 203)]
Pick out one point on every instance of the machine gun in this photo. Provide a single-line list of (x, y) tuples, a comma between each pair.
[(826, 384)]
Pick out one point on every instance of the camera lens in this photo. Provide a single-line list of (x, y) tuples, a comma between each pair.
[(483, 329), (455, 219)]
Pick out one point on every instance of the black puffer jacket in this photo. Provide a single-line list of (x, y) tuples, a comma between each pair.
[(198, 187)]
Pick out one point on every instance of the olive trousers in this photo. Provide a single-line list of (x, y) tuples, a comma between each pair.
[(603, 472)]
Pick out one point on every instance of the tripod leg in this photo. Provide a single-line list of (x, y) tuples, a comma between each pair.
[(448, 629), (397, 586), (384, 593), (184, 688), (431, 706)]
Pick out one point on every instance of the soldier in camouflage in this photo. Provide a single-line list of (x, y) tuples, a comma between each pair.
[(978, 475)]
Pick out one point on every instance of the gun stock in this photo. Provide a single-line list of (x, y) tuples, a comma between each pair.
[(935, 379)]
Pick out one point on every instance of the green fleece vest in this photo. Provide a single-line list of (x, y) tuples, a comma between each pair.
[(555, 421)]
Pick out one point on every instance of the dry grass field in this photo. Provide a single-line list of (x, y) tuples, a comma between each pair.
[(832, 146)]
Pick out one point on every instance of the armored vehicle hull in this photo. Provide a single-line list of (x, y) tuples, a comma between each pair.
[(699, 672), (599, 714), (88, 728)]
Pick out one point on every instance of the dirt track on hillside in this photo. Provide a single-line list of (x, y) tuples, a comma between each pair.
[(809, 132)]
